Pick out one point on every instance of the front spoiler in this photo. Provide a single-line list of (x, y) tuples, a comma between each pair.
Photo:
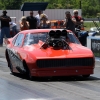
[(62, 72)]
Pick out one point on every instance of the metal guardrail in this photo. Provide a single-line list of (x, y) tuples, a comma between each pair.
[(90, 19)]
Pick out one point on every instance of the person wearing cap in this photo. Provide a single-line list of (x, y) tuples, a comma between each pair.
[(69, 22), (38, 17), (78, 18), (5, 27), (32, 21)]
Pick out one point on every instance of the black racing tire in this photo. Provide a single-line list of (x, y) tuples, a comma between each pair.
[(28, 73), (30, 77), (9, 62), (11, 67), (86, 76)]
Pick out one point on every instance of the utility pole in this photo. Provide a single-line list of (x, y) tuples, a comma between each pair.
[(80, 4)]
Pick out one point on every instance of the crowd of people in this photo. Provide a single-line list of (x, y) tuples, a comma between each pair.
[(40, 21), (35, 22)]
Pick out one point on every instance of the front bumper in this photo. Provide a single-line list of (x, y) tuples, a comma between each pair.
[(62, 72)]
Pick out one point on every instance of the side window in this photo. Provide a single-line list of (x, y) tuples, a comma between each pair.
[(19, 40), (26, 39), (31, 39), (13, 42), (73, 39)]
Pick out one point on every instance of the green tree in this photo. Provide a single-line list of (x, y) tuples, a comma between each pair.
[(90, 8), (10, 4)]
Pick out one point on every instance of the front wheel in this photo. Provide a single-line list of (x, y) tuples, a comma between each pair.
[(86, 76), (30, 77), (28, 73), (11, 67)]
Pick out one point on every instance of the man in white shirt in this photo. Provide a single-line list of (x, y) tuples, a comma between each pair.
[(13, 28), (38, 17)]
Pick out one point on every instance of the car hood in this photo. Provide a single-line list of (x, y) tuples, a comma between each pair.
[(76, 51)]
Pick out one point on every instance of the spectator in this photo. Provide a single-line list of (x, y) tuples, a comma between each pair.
[(32, 21), (44, 23), (38, 17), (5, 27), (69, 22), (13, 28), (82, 35), (78, 18), (24, 25)]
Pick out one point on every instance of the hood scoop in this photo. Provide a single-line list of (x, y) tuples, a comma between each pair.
[(57, 39)]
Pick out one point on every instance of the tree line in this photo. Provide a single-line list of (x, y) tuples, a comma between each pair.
[(90, 8)]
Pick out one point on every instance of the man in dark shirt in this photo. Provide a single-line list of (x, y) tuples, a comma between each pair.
[(5, 27), (32, 21), (69, 22)]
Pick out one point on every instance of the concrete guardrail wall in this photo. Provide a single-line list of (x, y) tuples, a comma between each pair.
[(94, 44)]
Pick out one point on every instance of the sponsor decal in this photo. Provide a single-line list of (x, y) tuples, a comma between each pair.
[(95, 47)]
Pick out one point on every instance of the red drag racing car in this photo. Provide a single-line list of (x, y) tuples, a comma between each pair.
[(48, 52)]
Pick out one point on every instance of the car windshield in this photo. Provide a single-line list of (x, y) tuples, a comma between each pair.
[(33, 38)]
